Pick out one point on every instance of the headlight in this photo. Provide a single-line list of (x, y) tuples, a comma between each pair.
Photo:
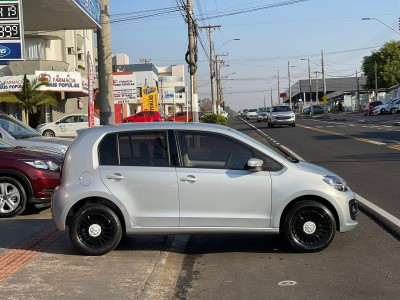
[(43, 165), (336, 182)]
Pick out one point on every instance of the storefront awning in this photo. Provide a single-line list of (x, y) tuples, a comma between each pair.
[(61, 14)]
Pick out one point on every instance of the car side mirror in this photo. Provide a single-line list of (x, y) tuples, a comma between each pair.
[(58, 122), (254, 164)]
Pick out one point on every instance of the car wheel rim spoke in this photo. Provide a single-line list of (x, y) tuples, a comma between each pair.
[(311, 237), (95, 230), (9, 198)]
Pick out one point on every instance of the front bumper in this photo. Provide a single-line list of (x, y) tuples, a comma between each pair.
[(283, 120)]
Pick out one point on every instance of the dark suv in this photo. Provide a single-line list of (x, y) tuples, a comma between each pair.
[(26, 177), (370, 107)]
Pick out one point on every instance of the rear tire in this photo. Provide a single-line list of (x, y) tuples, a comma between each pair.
[(95, 229), (308, 226), (293, 124), (12, 197), (49, 133)]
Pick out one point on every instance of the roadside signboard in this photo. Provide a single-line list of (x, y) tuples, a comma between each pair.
[(90, 90), (11, 30), (124, 87), (150, 98)]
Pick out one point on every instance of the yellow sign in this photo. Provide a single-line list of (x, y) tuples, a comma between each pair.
[(324, 100), (149, 98)]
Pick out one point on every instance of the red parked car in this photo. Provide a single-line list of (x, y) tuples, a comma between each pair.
[(144, 116), (180, 117), (368, 110), (27, 177)]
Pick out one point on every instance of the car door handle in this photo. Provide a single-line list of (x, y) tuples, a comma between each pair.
[(115, 176), (189, 178)]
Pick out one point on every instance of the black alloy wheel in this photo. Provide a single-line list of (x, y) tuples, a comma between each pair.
[(308, 226), (12, 197), (95, 229)]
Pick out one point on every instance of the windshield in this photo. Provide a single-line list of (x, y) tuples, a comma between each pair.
[(253, 110), (281, 108), (247, 137), (263, 109), (16, 128)]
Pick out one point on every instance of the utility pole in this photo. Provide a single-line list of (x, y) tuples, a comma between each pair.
[(323, 72), (290, 85), (358, 92), (376, 82), (309, 79), (191, 59), (279, 93), (212, 71), (218, 64), (316, 88), (105, 95), (271, 97)]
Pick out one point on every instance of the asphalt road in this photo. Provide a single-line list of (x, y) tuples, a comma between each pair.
[(38, 262)]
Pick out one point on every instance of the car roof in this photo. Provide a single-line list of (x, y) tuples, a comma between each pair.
[(100, 130)]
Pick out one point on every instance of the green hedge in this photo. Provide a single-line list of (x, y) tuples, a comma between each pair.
[(215, 119)]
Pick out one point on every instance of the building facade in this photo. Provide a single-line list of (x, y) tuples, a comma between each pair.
[(348, 90), (169, 80), (61, 57)]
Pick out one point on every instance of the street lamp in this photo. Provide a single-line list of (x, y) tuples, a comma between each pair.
[(309, 79), (369, 19), (226, 43)]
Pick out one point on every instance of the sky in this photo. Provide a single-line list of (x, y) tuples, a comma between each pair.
[(272, 35)]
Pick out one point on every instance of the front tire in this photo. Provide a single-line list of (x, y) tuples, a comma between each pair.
[(308, 226), (95, 229), (393, 111), (12, 197)]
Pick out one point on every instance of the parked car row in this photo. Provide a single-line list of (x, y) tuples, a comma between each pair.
[(390, 107)]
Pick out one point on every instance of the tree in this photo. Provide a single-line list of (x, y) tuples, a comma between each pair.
[(30, 98), (387, 60)]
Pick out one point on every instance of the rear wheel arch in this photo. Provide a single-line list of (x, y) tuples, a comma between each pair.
[(96, 200)]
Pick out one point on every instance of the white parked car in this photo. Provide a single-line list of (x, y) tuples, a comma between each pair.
[(388, 107), (66, 126), (225, 114), (20, 134), (185, 178)]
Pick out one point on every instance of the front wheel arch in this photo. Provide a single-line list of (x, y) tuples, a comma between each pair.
[(313, 198)]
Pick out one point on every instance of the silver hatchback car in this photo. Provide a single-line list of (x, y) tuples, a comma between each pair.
[(180, 178)]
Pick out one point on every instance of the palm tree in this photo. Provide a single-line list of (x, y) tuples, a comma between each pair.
[(30, 97)]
